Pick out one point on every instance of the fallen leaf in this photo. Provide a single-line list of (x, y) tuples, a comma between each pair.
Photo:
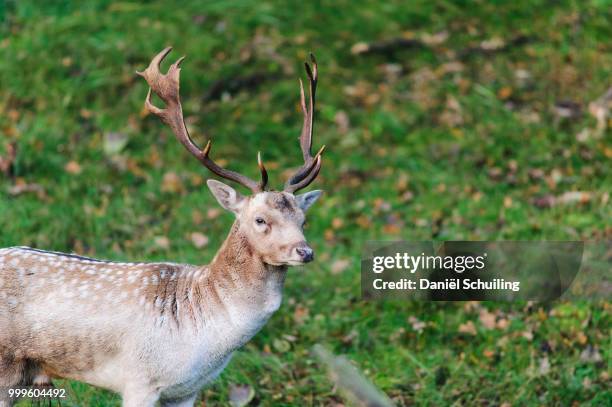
[(301, 314), (567, 109), (359, 48), (337, 223), (7, 161), (567, 198), (86, 113), (492, 44), (544, 367), (114, 142), (435, 39), (505, 92), (348, 339), (600, 109), (417, 324), (172, 183), (487, 319), (73, 168), (196, 217), (503, 323), (340, 265), (213, 213), (582, 338), (20, 188), (281, 345), (591, 354), (240, 395), (586, 383), (468, 328), (342, 121), (572, 197), (162, 242), (199, 240)]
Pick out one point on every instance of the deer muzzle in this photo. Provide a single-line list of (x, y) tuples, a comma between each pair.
[(304, 252)]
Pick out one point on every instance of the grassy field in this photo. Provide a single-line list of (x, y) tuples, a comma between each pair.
[(476, 126)]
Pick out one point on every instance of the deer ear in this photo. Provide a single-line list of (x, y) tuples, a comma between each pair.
[(306, 200), (227, 196)]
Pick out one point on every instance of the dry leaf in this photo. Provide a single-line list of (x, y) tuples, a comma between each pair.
[(21, 188), (73, 168), (417, 324), (340, 265), (342, 121), (544, 367), (114, 142), (468, 328), (505, 92), (281, 345), (199, 240), (300, 314), (503, 323), (591, 354), (487, 319), (359, 48), (7, 161), (434, 39), (213, 213), (567, 198), (337, 223), (240, 395), (172, 183), (162, 242), (527, 335), (196, 217)]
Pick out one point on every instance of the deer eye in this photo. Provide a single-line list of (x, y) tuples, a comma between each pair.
[(260, 221)]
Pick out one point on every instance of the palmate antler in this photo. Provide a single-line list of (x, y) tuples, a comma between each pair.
[(166, 86)]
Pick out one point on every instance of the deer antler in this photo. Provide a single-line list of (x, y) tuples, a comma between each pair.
[(310, 169), (166, 86)]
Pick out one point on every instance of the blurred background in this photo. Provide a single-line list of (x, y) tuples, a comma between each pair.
[(444, 120)]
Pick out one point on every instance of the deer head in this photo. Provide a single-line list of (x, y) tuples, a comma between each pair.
[(271, 221)]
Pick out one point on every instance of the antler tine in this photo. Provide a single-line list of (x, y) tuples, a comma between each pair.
[(166, 86), (308, 179), (310, 162), (264, 173)]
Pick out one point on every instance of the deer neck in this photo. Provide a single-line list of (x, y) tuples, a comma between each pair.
[(242, 281)]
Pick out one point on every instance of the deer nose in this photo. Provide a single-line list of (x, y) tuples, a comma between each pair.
[(305, 252)]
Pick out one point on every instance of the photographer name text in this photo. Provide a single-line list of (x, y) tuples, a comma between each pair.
[(459, 264)]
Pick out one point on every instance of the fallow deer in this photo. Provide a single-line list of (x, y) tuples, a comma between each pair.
[(158, 331)]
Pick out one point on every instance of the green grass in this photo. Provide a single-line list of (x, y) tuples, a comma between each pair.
[(441, 151)]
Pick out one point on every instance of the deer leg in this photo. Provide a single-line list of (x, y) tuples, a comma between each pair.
[(139, 396), (186, 402), (11, 375)]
